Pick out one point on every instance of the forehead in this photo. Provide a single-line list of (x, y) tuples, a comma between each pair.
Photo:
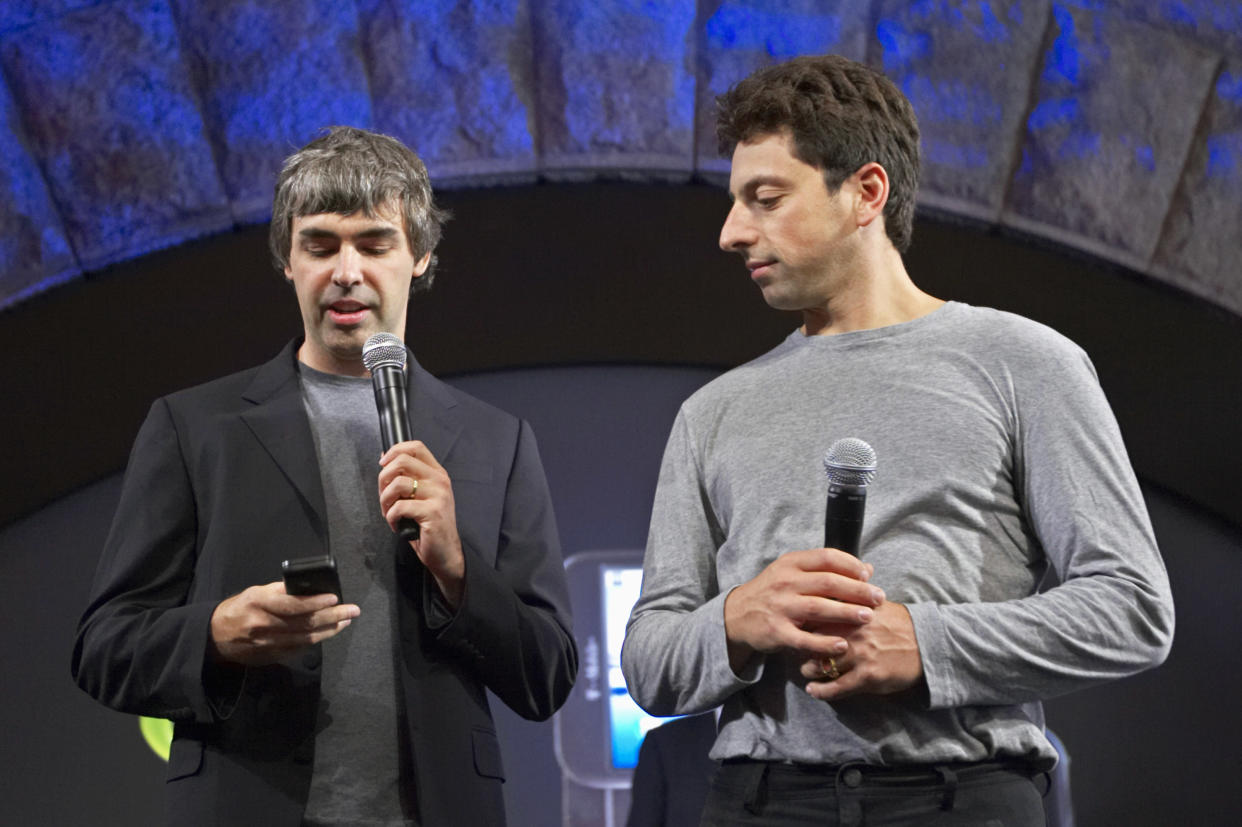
[(767, 157)]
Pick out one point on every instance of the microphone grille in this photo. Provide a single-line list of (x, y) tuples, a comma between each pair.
[(383, 349), (850, 461)]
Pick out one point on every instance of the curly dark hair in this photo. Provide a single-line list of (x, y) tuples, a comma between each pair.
[(348, 170), (841, 115)]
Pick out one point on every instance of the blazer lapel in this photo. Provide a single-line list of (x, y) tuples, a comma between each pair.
[(431, 411), (278, 421)]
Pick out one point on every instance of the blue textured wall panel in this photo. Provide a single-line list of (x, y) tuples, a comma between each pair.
[(114, 123), (271, 75), (739, 36), (1216, 24), (34, 253), (453, 80), (148, 122), (19, 13), (615, 85), (966, 66), (1114, 114), (1201, 248)]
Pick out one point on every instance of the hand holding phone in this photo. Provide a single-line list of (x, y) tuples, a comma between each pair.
[(265, 623)]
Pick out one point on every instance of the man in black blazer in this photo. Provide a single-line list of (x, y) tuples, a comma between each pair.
[(304, 710)]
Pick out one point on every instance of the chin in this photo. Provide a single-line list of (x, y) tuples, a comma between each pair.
[(781, 301), (347, 343)]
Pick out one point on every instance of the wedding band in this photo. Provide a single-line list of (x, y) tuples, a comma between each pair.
[(413, 489), (829, 668)]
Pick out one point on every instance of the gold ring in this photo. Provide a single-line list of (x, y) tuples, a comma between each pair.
[(829, 668), (413, 489)]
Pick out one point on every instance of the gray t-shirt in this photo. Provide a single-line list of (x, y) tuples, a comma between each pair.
[(361, 772), (998, 457)]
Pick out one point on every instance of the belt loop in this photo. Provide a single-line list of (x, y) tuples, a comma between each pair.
[(949, 779), (756, 788)]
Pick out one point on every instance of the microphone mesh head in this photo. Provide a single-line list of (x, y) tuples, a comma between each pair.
[(383, 349), (850, 462)]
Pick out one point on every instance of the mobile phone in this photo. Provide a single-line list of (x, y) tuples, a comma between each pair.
[(311, 575), (598, 732)]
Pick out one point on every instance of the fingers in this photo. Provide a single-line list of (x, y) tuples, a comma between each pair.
[(263, 623), (834, 689), (829, 560), (883, 657), (805, 601), (413, 485), (413, 456), (273, 598), (838, 588), (822, 668), (820, 614)]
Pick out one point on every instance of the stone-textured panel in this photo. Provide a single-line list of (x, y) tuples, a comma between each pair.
[(34, 253), (1201, 249), (615, 86), (270, 76), (17, 13), (113, 122), (736, 37), (1108, 134), (1216, 24), (455, 81), (967, 67)]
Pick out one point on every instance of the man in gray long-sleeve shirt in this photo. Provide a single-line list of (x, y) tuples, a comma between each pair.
[(905, 685)]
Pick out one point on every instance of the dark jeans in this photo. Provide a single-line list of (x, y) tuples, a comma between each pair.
[(762, 793)]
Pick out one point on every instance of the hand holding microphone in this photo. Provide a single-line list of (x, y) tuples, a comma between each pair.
[(384, 355), (881, 656), (412, 483), (808, 600)]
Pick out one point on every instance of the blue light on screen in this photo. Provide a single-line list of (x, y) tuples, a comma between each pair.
[(627, 723)]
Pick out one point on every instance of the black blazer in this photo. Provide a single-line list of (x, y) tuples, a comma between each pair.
[(223, 484)]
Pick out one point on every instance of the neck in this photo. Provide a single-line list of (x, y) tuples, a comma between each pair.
[(880, 294)]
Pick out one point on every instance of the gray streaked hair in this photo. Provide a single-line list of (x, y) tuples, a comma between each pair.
[(346, 171)]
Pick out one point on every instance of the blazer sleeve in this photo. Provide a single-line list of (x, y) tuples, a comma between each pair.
[(513, 625), (140, 647)]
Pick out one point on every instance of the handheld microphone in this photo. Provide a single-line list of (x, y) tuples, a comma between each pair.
[(384, 355), (850, 466)]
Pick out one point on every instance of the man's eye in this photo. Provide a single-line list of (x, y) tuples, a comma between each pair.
[(768, 203), (375, 251), (319, 252)]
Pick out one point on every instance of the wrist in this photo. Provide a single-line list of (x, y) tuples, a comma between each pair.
[(451, 581), (740, 652)]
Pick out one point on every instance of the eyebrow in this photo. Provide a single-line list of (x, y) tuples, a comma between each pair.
[(316, 233)]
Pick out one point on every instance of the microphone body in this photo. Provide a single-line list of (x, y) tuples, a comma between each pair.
[(850, 466), (843, 520), (384, 355), (389, 384)]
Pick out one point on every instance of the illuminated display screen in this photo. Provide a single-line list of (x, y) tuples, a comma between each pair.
[(627, 723)]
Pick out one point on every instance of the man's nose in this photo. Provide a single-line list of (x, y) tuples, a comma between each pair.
[(738, 232), (348, 267)]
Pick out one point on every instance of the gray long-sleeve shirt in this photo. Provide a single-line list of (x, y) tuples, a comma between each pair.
[(998, 457)]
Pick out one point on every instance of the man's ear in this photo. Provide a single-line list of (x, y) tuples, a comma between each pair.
[(421, 265), (872, 192)]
